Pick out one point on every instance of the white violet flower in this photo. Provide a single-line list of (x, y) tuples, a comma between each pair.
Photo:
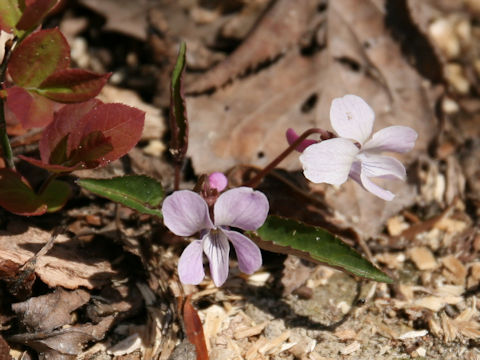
[(351, 155)]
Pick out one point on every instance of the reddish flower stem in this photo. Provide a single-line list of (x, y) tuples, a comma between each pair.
[(255, 181)]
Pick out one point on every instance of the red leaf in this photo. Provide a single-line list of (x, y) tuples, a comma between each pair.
[(194, 330), (38, 56), (17, 196), (120, 123), (55, 168), (65, 121), (73, 85), (30, 109), (35, 11)]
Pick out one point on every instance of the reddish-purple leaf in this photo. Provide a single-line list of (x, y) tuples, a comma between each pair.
[(17, 196), (91, 150), (73, 85), (194, 330), (35, 11), (65, 121), (38, 56), (55, 168), (120, 123), (30, 109)]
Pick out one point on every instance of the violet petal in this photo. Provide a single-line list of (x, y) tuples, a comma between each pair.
[(329, 161), (381, 166), (241, 207), (370, 186), (185, 213), (216, 247), (393, 138), (248, 254), (352, 118), (190, 265)]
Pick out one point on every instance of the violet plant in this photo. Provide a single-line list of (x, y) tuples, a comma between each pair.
[(91, 134)]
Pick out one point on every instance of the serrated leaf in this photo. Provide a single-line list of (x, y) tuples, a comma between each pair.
[(17, 196), (9, 15), (72, 85), (38, 56), (56, 195), (34, 12), (138, 192), (178, 110), (314, 244)]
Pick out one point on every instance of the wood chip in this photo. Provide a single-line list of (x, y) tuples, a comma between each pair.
[(349, 349), (346, 334), (396, 225), (413, 334), (457, 271), (423, 258), (249, 331), (273, 346), (436, 303)]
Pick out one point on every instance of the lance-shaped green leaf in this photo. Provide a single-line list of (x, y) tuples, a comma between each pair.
[(138, 192), (314, 244), (178, 109)]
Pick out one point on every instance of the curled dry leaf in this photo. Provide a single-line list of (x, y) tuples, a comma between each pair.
[(64, 343), (51, 311)]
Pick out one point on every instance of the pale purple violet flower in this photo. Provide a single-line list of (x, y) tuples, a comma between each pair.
[(351, 155), (186, 213)]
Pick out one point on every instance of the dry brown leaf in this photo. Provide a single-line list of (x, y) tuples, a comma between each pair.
[(51, 311), (246, 121), (126, 17), (69, 263), (64, 343), (4, 350)]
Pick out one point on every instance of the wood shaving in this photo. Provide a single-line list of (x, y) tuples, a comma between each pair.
[(354, 346), (422, 258)]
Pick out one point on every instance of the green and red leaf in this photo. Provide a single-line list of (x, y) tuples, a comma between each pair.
[(178, 110), (40, 55), (55, 195), (33, 13), (72, 85), (17, 196), (9, 15)]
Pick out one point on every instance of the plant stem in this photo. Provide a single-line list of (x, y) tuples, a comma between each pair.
[(4, 141), (255, 181)]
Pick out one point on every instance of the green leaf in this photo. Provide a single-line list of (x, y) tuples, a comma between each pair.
[(56, 195), (178, 110), (314, 244), (9, 15), (138, 192), (17, 196)]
